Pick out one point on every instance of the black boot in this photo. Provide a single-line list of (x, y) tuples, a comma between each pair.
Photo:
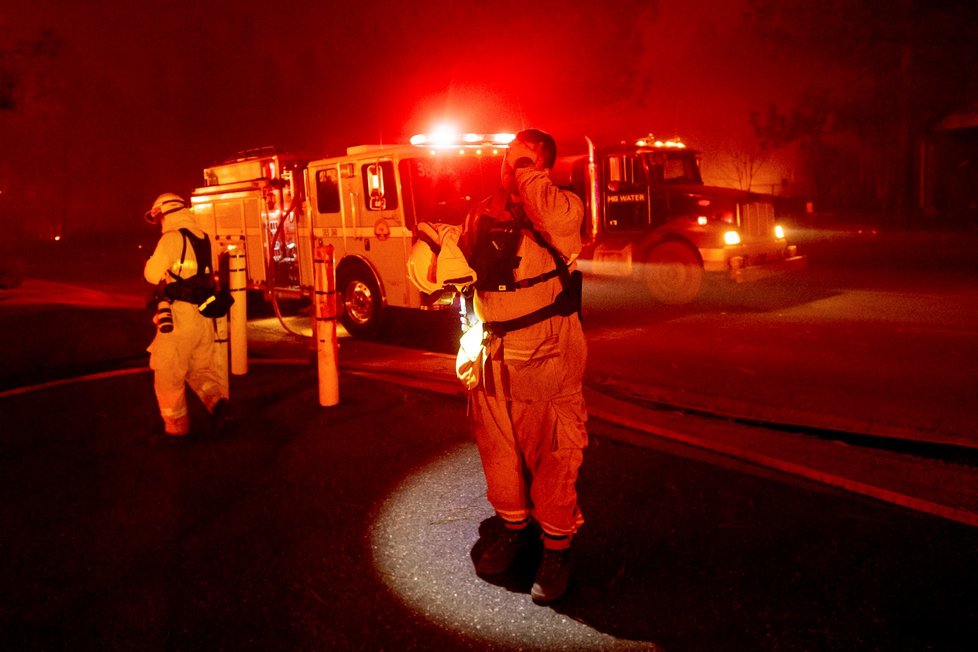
[(553, 576), (220, 417), (499, 557)]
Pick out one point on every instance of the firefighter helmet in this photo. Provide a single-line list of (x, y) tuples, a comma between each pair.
[(422, 261), (421, 267), (436, 260), (165, 204)]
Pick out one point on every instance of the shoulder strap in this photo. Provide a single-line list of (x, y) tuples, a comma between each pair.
[(183, 256), (562, 270), (566, 303), (202, 250)]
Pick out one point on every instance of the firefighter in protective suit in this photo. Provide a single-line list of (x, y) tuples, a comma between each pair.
[(523, 362), (182, 353)]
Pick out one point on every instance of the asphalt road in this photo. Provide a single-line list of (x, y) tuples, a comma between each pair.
[(354, 527), (879, 336)]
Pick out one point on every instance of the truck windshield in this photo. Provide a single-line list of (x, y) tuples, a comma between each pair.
[(442, 188), (675, 167)]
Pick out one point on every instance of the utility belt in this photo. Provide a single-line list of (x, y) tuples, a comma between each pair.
[(210, 301), (195, 293), (565, 304)]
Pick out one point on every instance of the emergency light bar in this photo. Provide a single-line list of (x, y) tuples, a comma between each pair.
[(445, 139), (652, 141)]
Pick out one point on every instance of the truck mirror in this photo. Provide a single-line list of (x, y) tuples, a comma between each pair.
[(375, 180), (375, 176)]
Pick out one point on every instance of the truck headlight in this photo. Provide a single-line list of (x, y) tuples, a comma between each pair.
[(779, 232), (731, 238)]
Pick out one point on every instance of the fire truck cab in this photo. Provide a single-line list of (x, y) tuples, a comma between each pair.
[(366, 204), (651, 217)]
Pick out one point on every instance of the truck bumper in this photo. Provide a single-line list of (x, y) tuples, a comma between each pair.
[(742, 265), (746, 264), (740, 274)]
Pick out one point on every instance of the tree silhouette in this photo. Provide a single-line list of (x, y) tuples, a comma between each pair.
[(34, 132), (877, 78)]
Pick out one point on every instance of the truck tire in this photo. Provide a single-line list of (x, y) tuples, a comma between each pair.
[(672, 273), (361, 303)]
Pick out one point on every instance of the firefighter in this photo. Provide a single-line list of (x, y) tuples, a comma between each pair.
[(182, 353), (527, 408)]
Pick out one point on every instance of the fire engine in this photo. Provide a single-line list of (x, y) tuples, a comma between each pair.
[(366, 204), (651, 217)]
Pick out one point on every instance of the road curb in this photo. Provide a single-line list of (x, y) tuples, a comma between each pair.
[(745, 446), (747, 443), (941, 489)]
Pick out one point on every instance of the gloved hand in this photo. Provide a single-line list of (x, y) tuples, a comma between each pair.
[(519, 153)]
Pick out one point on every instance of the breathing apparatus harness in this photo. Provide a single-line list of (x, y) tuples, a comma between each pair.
[(199, 289), (491, 251)]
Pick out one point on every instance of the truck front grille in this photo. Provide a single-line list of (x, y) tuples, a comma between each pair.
[(757, 221)]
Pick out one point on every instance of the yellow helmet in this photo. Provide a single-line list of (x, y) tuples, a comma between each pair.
[(423, 259), (164, 205), (436, 261)]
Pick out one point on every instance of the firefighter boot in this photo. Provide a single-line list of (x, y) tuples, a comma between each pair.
[(160, 437), (220, 416), (553, 576), (504, 551)]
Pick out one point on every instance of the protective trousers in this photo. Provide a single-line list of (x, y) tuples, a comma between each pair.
[(183, 357), (528, 419)]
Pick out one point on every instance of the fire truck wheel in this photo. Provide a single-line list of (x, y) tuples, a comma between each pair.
[(673, 273), (363, 306)]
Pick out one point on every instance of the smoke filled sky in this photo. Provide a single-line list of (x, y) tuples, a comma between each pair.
[(144, 95), (322, 74)]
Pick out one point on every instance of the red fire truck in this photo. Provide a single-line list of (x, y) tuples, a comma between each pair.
[(365, 203), (650, 217)]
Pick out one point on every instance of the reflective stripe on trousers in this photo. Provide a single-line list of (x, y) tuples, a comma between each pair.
[(183, 357), (528, 420)]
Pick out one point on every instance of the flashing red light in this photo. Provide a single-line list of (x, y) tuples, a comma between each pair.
[(652, 141), (443, 138)]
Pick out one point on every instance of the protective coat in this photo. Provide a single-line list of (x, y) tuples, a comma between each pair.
[(528, 409), (184, 356)]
